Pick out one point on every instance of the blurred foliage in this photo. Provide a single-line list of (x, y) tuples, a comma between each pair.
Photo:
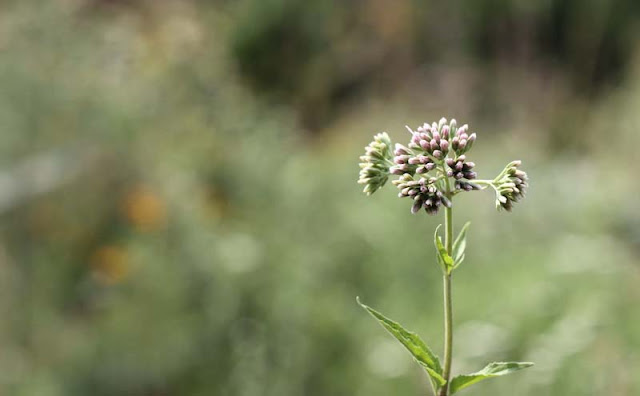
[(167, 228), (316, 56)]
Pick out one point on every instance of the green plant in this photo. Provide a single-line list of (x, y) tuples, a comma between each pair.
[(432, 170)]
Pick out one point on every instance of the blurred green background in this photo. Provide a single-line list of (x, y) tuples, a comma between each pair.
[(179, 213)]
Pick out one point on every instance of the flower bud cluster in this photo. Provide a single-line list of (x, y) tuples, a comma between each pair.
[(425, 193), (510, 185), (462, 141), (374, 165), (461, 170), (437, 147), (407, 161)]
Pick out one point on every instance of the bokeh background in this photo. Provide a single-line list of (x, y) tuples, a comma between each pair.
[(179, 213)]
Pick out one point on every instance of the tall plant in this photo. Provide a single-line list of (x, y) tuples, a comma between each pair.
[(433, 169)]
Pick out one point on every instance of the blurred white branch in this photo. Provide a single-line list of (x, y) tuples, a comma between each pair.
[(42, 173)]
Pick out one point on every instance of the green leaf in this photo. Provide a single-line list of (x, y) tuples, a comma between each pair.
[(412, 342), (495, 369), (460, 244), (446, 262), (459, 261)]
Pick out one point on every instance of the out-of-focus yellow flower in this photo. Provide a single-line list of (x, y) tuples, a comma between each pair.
[(110, 264), (145, 209)]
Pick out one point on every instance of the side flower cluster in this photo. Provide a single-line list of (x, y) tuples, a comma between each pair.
[(374, 165), (510, 186)]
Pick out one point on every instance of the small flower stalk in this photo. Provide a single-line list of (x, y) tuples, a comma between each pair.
[(431, 170)]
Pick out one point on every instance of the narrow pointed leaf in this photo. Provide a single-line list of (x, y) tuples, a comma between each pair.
[(460, 244), (413, 343), (458, 262), (443, 257), (495, 369)]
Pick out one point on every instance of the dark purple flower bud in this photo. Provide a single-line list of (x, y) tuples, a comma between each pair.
[(459, 165), (425, 145), (450, 162), (401, 159), (421, 169), (433, 145), (470, 175), (416, 207), (459, 175), (431, 210)]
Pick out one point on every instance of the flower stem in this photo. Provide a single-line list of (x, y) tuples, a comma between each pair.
[(448, 309)]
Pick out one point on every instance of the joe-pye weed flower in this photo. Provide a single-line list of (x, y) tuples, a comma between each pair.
[(431, 169)]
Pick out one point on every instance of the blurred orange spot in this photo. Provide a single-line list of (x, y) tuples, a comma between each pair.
[(110, 264), (145, 210)]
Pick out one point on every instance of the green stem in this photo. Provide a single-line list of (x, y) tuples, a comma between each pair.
[(448, 308)]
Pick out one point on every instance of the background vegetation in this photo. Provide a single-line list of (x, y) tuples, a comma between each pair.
[(179, 213)]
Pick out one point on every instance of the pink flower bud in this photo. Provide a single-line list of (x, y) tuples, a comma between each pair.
[(445, 132), (444, 145)]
